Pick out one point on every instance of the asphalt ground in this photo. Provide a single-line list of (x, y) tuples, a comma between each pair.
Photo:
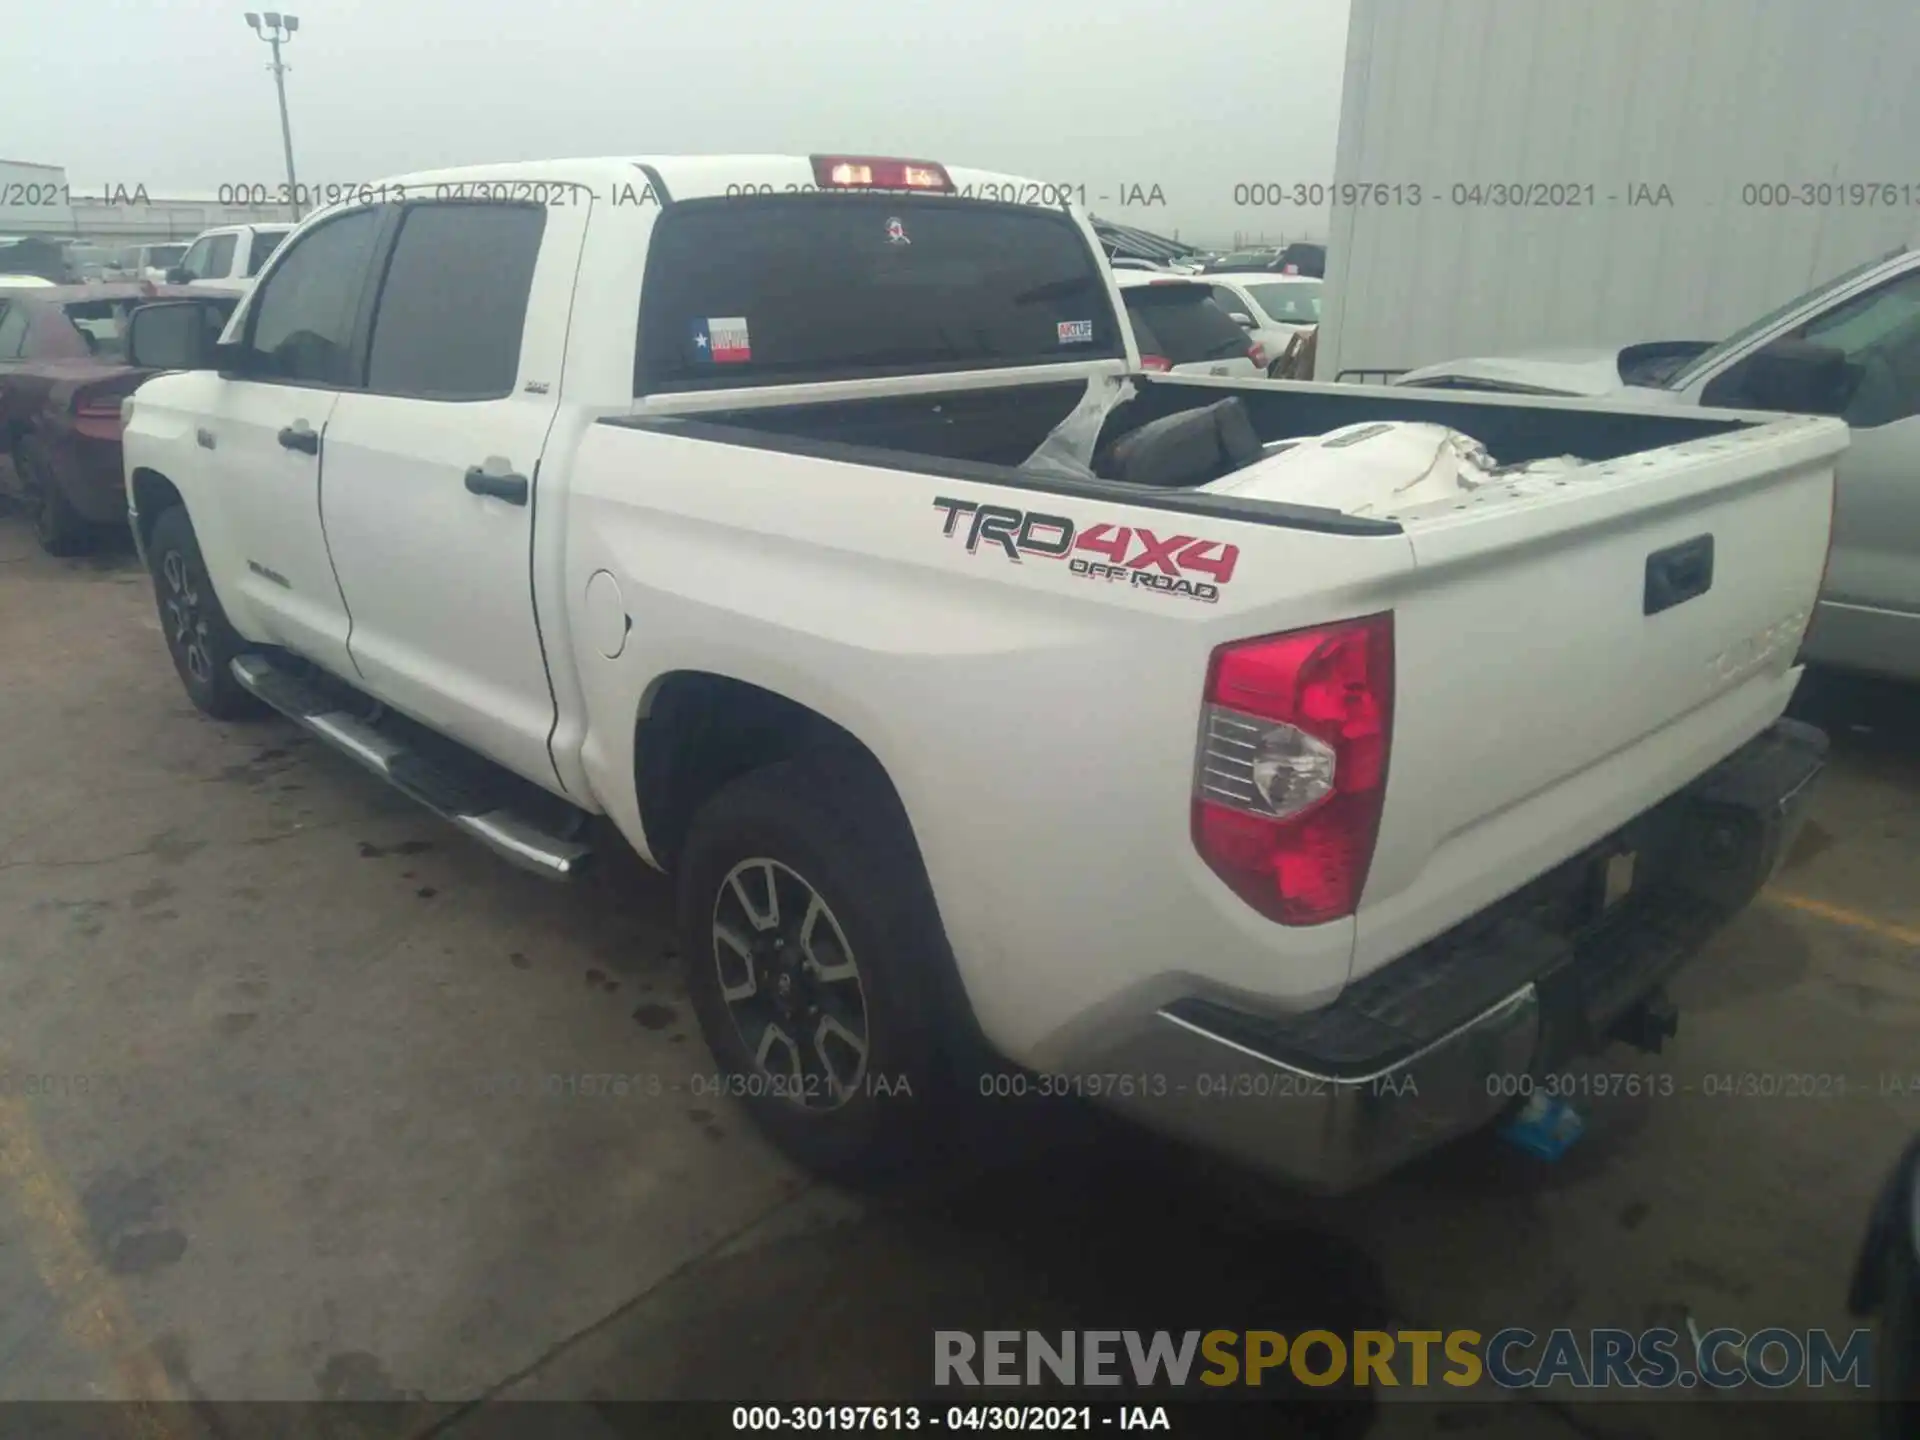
[(286, 1115)]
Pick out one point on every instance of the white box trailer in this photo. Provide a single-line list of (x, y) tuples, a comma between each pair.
[(1603, 171)]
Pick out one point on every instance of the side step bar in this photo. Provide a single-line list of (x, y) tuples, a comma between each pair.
[(493, 822)]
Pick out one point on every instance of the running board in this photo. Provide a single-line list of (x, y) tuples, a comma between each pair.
[(477, 808)]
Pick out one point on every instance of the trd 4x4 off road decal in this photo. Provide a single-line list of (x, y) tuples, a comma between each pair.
[(1129, 554)]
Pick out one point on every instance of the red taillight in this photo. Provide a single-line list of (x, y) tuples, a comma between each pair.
[(1155, 362), (877, 172), (1257, 353), (1292, 769), (96, 411)]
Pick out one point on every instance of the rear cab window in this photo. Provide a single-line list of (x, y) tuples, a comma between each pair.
[(781, 290), (265, 242), (1182, 324)]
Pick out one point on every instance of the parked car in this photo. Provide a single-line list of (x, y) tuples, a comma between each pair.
[(1272, 309), (37, 255), (1849, 348), (964, 761), (1241, 260), (1302, 257), (1182, 331), (92, 262), (227, 258), (150, 262), (63, 373), (1299, 258)]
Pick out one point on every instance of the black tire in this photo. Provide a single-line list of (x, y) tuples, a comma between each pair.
[(199, 638), (60, 529), (831, 826), (1896, 1365)]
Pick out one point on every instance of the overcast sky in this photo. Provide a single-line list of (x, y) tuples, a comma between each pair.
[(175, 94)]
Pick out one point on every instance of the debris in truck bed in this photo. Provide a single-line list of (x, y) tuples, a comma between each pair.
[(1381, 466)]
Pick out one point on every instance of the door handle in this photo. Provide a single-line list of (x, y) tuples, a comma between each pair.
[(300, 436), (1678, 574), (508, 487), (203, 437)]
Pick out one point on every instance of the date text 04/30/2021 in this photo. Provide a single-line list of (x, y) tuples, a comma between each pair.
[(827, 1419)]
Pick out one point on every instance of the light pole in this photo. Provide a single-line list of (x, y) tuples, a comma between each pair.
[(277, 29)]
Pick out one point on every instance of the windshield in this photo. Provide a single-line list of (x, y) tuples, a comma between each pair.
[(1711, 357), (1291, 302), (162, 257)]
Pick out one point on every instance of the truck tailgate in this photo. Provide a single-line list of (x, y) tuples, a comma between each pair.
[(1569, 651)]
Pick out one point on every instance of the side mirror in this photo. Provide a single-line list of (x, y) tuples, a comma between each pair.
[(1241, 318), (176, 334), (1790, 375), (179, 275)]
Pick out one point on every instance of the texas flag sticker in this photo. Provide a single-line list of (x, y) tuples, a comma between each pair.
[(722, 341)]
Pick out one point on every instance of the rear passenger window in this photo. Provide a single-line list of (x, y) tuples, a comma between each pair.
[(776, 290), (455, 301), (264, 244)]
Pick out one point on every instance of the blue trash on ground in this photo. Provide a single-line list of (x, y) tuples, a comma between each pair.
[(1545, 1127)]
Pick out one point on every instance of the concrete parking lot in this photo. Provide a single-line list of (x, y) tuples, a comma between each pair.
[(285, 1114)]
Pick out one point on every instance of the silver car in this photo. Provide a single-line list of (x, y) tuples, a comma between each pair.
[(1850, 348)]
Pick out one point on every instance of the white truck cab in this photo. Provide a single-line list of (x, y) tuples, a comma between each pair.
[(228, 257), (820, 528)]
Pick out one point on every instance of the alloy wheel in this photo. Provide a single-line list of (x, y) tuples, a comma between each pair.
[(791, 985), (187, 629)]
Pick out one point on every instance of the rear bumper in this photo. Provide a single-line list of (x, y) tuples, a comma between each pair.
[(1430, 1046), (87, 470)]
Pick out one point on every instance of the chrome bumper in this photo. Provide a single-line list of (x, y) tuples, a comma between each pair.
[(1438, 1044), (1321, 1132)]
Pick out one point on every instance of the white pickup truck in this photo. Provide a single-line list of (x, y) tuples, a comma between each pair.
[(815, 525)]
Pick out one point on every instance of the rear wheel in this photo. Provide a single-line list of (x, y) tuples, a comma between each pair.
[(811, 944), (200, 639), (58, 527)]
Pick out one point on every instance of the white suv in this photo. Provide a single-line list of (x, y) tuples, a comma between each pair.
[(1180, 328)]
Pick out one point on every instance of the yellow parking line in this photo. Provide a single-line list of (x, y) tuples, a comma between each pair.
[(93, 1309), (1840, 915)]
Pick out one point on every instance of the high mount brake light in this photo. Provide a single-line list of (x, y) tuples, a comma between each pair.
[(1292, 766), (877, 172), (1155, 362)]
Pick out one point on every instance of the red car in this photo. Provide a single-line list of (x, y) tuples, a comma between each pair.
[(63, 374)]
